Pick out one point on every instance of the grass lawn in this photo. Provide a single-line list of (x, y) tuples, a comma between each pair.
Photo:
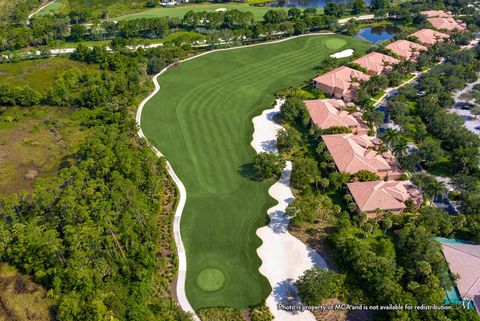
[(40, 74), (21, 299), (180, 11), (50, 9), (96, 7), (202, 121)]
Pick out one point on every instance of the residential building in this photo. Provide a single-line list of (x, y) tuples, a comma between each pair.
[(328, 113), (353, 153), (376, 63), (464, 260), (437, 14), (406, 49), (341, 83), (449, 25), (380, 196), (429, 37)]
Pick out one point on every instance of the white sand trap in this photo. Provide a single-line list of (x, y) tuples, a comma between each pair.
[(342, 54), (284, 257), (220, 9)]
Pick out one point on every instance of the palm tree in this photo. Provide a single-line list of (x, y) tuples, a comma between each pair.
[(435, 189), (390, 136), (400, 148)]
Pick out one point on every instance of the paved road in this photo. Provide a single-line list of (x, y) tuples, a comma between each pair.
[(470, 121)]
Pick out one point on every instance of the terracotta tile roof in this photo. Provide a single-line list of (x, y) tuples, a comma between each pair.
[(352, 153), (385, 196), (341, 80), (437, 13), (448, 24), (464, 260), (406, 49), (429, 37), (327, 113), (376, 63)]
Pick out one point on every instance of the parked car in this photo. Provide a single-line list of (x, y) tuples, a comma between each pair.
[(465, 106)]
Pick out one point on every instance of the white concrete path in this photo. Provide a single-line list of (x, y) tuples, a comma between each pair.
[(182, 258), (38, 10), (284, 257)]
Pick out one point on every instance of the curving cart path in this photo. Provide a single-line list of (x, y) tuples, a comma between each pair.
[(284, 257)]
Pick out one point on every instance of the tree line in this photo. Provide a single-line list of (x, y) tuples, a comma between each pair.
[(98, 236)]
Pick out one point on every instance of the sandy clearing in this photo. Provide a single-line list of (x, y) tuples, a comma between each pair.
[(284, 257), (342, 54)]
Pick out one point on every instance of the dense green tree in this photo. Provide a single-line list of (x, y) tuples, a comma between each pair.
[(267, 165), (305, 172), (317, 285)]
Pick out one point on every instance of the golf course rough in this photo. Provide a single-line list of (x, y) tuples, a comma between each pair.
[(201, 120)]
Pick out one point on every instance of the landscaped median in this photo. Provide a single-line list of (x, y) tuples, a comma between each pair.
[(201, 121)]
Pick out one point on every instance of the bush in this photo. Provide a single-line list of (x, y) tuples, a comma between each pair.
[(154, 65), (366, 176), (261, 313), (316, 285), (220, 314), (267, 165), (288, 138)]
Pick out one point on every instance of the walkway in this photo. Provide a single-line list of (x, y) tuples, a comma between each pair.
[(38, 10)]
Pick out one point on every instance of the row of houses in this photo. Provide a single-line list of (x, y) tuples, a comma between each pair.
[(357, 151)]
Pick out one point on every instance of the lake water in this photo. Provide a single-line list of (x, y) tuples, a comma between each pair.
[(307, 3), (378, 33)]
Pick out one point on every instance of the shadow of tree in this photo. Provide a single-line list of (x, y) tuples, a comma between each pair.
[(247, 171)]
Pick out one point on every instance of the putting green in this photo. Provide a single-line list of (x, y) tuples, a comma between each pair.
[(335, 43), (210, 279), (201, 120)]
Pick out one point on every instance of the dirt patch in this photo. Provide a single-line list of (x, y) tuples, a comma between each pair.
[(33, 143), (21, 299), (314, 235)]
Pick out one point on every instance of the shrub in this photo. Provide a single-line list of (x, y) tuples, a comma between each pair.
[(261, 313), (267, 165), (316, 285), (220, 314)]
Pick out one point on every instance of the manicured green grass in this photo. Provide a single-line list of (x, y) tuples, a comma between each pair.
[(96, 7), (202, 121), (50, 9), (180, 11)]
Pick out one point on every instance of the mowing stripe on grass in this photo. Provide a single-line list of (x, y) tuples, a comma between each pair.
[(201, 121)]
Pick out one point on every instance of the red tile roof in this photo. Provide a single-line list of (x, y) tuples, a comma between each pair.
[(406, 49), (386, 196), (327, 113), (448, 24), (341, 80), (353, 153), (464, 260), (429, 37), (437, 13), (376, 63)]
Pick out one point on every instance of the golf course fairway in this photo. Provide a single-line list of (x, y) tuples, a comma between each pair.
[(201, 120)]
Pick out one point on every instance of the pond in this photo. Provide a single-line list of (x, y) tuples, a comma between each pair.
[(378, 33), (306, 3)]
